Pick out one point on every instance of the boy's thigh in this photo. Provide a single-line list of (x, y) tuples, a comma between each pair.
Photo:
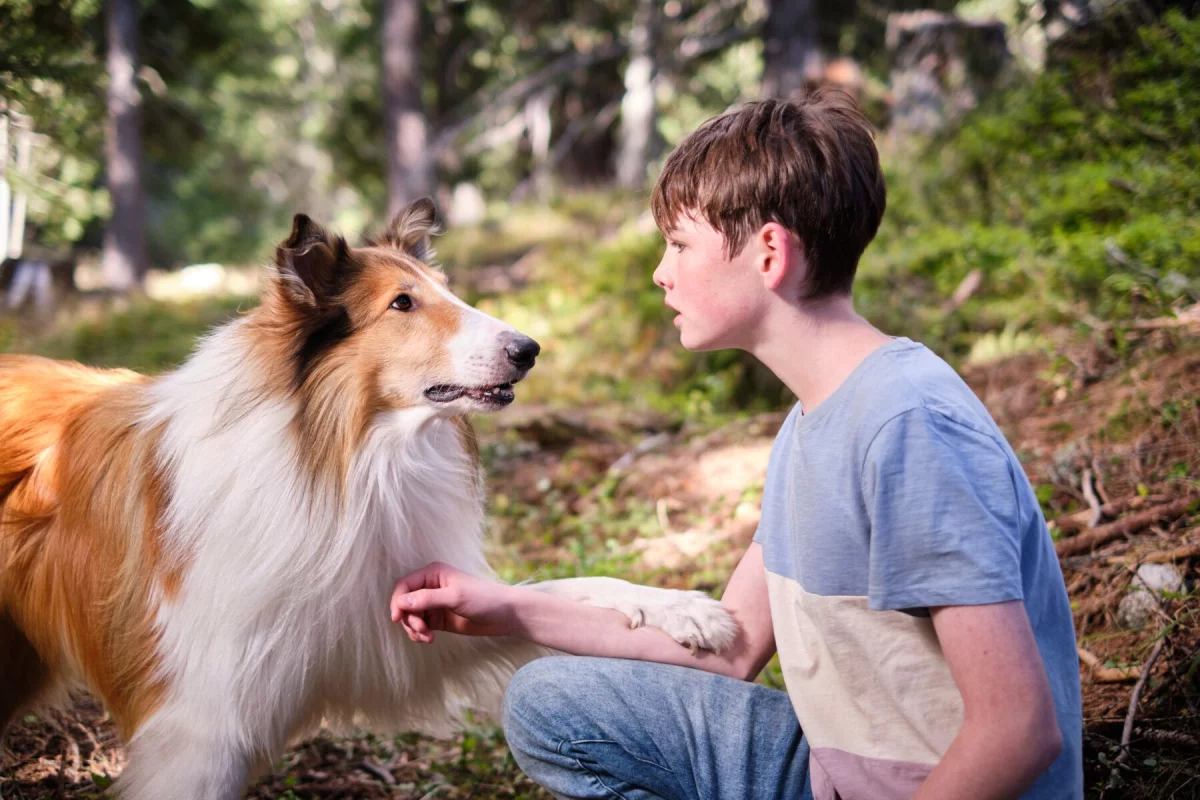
[(597, 727)]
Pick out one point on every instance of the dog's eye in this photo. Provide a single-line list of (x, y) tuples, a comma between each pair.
[(403, 303)]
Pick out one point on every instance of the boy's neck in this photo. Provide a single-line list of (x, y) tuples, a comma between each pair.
[(813, 347)]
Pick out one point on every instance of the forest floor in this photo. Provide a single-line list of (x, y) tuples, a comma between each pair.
[(1109, 440)]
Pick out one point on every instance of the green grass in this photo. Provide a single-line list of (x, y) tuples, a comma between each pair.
[(1076, 190), (146, 336)]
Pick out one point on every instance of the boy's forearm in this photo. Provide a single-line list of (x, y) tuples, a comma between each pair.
[(1010, 732), (586, 630), (991, 763)]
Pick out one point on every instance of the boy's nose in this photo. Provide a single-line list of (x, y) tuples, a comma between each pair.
[(660, 275)]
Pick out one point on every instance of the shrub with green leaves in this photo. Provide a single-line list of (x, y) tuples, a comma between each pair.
[(1077, 190)]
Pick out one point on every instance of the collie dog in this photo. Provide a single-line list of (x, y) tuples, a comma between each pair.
[(211, 552)]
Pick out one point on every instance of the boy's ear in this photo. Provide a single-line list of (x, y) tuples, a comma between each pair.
[(777, 259), (309, 261), (411, 229)]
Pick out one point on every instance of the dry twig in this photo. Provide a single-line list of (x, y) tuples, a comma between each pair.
[(1089, 494), (1102, 674), (378, 770), (1159, 557), (1127, 731), (1077, 521), (1115, 530)]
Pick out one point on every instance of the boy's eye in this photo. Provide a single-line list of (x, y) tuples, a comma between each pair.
[(678, 246), (403, 303)]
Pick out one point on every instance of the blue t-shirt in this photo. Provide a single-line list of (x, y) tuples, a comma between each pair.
[(896, 495)]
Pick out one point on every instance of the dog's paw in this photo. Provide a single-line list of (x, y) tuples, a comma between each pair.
[(693, 619)]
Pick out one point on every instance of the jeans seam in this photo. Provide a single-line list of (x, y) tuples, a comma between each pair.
[(563, 743), (611, 741)]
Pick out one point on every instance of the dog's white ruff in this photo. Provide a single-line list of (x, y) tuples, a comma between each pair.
[(282, 618)]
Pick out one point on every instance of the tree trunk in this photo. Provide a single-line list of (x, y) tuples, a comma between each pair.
[(540, 127), (791, 57), (637, 136), (5, 194), (20, 199), (125, 239), (940, 67), (410, 168)]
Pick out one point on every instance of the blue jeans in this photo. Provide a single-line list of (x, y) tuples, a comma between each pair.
[(609, 728)]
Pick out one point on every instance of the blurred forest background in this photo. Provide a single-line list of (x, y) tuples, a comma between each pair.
[(1042, 233)]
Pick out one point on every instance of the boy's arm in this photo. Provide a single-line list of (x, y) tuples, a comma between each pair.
[(1010, 731), (948, 529), (440, 597)]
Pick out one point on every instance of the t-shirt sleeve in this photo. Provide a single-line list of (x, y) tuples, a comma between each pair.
[(944, 515)]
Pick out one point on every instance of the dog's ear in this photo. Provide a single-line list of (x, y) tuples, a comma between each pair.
[(309, 261), (411, 228)]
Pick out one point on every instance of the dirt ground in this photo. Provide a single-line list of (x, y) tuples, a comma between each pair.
[(1108, 438)]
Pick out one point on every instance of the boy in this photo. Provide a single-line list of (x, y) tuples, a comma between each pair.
[(902, 568)]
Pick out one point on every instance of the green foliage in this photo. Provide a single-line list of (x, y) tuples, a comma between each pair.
[(148, 336), (1077, 190), (609, 338), (44, 41), (237, 101)]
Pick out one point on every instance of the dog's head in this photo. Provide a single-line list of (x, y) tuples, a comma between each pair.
[(384, 315)]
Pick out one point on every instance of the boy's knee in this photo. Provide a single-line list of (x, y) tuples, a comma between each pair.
[(529, 701), (556, 698)]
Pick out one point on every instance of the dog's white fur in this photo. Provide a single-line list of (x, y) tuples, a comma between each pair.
[(260, 589), (282, 618)]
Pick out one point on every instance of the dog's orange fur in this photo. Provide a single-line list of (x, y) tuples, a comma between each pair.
[(83, 566), (80, 550), (343, 393)]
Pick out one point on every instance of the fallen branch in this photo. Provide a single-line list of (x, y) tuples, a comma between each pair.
[(378, 770), (1089, 494), (1127, 731), (1188, 318), (1098, 479), (1178, 738), (965, 291), (1160, 557), (1078, 520), (1102, 674), (1104, 534)]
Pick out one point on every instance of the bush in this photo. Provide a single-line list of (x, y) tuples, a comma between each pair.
[(1076, 190), (148, 336)]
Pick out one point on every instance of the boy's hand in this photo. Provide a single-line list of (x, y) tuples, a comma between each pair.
[(439, 597)]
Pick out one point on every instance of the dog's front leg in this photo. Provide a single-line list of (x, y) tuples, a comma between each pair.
[(691, 618), (183, 754)]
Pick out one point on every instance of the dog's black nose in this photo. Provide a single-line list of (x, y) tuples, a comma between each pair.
[(521, 351)]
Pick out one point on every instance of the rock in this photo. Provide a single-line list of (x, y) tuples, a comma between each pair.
[(1136, 609), (1159, 578), (1140, 606)]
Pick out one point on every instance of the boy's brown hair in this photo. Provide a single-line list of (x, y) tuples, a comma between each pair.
[(809, 165)]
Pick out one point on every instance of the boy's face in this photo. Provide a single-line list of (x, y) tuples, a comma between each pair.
[(717, 299)]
